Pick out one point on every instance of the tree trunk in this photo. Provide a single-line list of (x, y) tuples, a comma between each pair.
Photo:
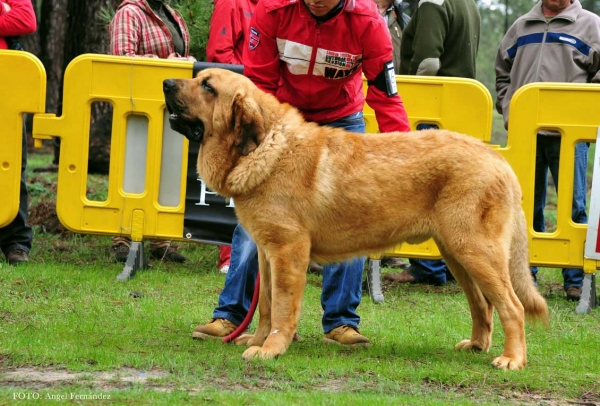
[(31, 43), (84, 24), (52, 30)]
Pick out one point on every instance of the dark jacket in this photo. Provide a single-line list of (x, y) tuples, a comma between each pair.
[(442, 39)]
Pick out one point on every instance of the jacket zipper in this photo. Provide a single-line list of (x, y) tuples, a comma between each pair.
[(539, 62)]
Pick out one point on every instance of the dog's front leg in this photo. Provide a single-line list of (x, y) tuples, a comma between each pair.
[(288, 279), (264, 306)]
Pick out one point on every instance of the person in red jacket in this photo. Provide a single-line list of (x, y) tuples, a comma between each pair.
[(312, 54), (17, 18), (229, 25), (228, 33)]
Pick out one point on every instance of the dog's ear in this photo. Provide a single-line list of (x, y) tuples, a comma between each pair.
[(248, 123)]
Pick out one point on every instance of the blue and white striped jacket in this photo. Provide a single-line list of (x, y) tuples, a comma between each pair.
[(565, 48)]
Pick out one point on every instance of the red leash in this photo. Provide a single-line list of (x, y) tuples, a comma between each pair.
[(249, 316)]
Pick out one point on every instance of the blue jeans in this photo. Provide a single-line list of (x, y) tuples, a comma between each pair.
[(548, 158), (431, 271), (18, 234), (342, 282)]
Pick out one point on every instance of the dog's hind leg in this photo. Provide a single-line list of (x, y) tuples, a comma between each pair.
[(486, 261), (480, 307), (288, 265)]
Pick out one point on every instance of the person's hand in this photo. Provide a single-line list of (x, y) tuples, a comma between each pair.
[(6, 7), (181, 58)]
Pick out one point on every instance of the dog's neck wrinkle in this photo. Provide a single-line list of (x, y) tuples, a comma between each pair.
[(252, 170)]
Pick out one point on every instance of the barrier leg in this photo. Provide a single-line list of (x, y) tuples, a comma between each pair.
[(374, 280), (588, 294), (135, 260)]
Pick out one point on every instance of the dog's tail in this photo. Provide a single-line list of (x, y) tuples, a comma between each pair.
[(520, 273)]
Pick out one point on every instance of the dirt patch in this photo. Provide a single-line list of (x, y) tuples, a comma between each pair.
[(44, 215), (49, 379), (45, 378)]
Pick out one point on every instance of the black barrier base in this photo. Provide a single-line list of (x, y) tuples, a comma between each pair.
[(198, 66), (588, 295), (374, 280), (135, 260)]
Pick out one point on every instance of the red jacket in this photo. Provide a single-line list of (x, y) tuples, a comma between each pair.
[(318, 67), (229, 26), (20, 20)]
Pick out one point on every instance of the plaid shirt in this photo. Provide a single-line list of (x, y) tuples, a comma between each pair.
[(136, 31)]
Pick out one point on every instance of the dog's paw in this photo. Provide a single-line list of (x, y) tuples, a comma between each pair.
[(468, 345), (505, 363), (246, 339), (256, 352), (250, 353)]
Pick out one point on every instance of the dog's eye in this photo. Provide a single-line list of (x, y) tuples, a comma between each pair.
[(208, 87)]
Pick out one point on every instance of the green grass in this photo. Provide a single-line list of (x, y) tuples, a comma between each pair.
[(64, 314)]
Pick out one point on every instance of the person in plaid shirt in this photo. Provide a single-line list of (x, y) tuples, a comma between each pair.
[(150, 29)]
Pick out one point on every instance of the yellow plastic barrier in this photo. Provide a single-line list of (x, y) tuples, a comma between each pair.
[(145, 151), (570, 109), (23, 90), (457, 104), (148, 161)]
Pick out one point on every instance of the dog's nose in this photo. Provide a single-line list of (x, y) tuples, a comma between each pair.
[(169, 85)]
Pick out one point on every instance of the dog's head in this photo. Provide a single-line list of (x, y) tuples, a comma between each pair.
[(217, 104)]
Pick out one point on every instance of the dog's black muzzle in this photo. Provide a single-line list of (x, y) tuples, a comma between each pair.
[(192, 130)]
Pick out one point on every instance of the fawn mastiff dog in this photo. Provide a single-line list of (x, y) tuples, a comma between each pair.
[(308, 192)]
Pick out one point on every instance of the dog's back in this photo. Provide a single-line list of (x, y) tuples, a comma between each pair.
[(364, 193)]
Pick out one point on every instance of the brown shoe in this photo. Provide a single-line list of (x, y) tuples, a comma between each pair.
[(346, 335), (215, 329), (16, 256), (167, 254), (574, 293), (394, 262), (402, 277), (315, 268)]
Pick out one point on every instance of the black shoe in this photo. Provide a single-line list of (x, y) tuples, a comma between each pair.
[(574, 293), (120, 252), (167, 254), (16, 256)]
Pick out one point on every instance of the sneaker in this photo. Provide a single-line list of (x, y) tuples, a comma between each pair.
[(167, 254), (16, 256), (215, 329), (394, 262), (224, 269), (574, 293), (346, 335), (119, 252)]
